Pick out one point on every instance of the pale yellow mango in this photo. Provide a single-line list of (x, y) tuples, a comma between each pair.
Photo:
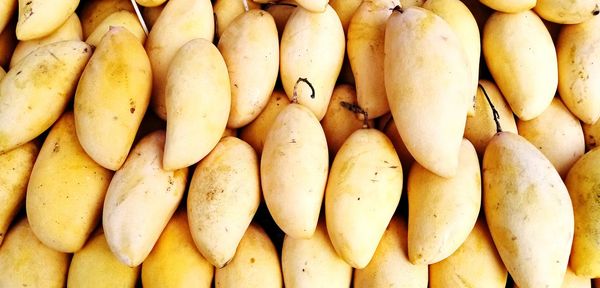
[(26, 262), (315, 6), (178, 23), (39, 18), (510, 6), (198, 99), (578, 72), (475, 264), (390, 266), (429, 118), (528, 211), (15, 168), (70, 30), (34, 93), (567, 11), (140, 200), (313, 262), (520, 55), (94, 12), (558, 134), (95, 266), (175, 261), (364, 188), (256, 263), (227, 10), (312, 48), (112, 98), (256, 132), (223, 197), (66, 190), (366, 34), (345, 9), (122, 18), (248, 45)]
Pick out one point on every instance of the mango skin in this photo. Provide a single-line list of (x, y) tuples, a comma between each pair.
[(567, 12), (510, 6), (256, 132), (38, 18)]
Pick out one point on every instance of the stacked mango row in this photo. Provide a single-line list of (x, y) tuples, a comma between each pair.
[(238, 143)]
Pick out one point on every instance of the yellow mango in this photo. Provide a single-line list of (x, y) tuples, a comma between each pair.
[(175, 261), (313, 262), (510, 6), (574, 281), (250, 44), (63, 213), (70, 30), (281, 12), (429, 118), (390, 266), (256, 263), (481, 127), (94, 12), (345, 9), (198, 99), (26, 262), (140, 200), (223, 197), (39, 18), (36, 90), (15, 168), (123, 18), (150, 3), (578, 72), (528, 211), (96, 266), (312, 48), (567, 12), (227, 10), (363, 191), (366, 35), (178, 23), (293, 167), (315, 6), (520, 55), (256, 132), (558, 134), (475, 263)]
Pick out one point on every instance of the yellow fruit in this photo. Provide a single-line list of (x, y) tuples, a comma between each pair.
[(38, 18), (293, 168), (281, 12), (256, 132), (178, 23), (123, 18), (112, 98), (390, 266), (558, 134), (256, 263), (430, 118), (96, 266), (363, 191), (521, 57), (509, 6), (528, 211), (345, 10), (66, 190), (94, 12), (248, 45), (26, 262), (15, 168), (315, 6), (35, 92), (227, 10), (578, 72), (389, 128), (566, 11), (223, 197), (150, 3), (312, 48), (313, 262), (174, 260), (140, 200), (198, 101)]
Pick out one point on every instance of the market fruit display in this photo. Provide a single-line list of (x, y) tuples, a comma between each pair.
[(300, 143)]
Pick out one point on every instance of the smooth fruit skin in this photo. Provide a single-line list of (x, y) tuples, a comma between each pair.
[(38, 18), (421, 47), (363, 191), (123, 18), (528, 210), (521, 57), (312, 47), (578, 72), (112, 97), (566, 11), (256, 132), (227, 10), (510, 6), (94, 12), (293, 170)]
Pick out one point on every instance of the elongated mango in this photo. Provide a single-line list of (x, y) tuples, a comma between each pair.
[(293, 170), (567, 12), (34, 93), (223, 197), (420, 47), (140, 200), (63, 213), (528, 211), (312, 48), (509, 6), (38, 18), (198, 99), (364, 188), (227, 10), (94, 12)]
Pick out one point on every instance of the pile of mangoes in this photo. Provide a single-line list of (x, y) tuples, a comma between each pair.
[(306, 143)]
